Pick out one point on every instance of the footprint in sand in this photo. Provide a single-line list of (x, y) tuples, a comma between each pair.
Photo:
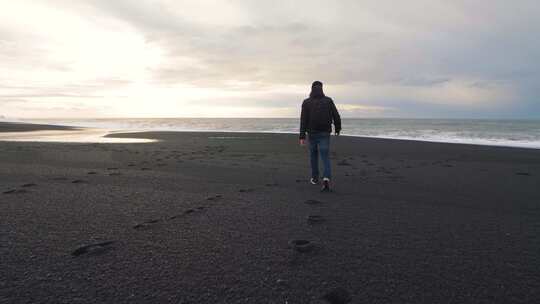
[(271, 185), (59, 178), (115, 174), (302, 246), (315, 219), (112, 168), (337, 296), (523, 173), (93, 249), (188, 211), (78, 181), (28, 185), (213, 198), (145, 224), (91, 173), (15, 191), (145, 169), (245, 190), (313, 202)]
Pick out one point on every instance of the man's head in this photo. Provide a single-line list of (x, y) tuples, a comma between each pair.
[(316, 89)]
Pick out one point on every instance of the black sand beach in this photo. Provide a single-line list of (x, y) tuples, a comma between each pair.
[(209, 218)]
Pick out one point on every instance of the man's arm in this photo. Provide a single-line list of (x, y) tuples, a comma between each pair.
[(303, 120), (335, 117)]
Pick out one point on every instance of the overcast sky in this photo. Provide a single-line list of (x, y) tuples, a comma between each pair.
[(124, 58)]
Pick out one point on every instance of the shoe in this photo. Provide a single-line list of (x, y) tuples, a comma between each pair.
[(325, 185), (314, 181)]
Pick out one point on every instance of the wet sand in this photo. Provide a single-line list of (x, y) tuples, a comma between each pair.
[(220, 218)]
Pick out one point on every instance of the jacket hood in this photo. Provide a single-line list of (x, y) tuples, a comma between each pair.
[(317, 89)]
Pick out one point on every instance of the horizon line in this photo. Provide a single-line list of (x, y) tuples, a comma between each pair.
[(14, 119)]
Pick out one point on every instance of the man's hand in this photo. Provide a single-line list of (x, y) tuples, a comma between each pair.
[(302, 142)]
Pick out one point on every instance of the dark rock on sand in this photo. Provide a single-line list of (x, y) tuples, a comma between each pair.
[(96, 248), (338, 296)]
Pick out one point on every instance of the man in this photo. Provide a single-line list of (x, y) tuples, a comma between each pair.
[(318, 113)]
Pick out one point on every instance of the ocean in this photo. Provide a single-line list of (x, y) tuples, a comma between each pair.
[(512, 133)]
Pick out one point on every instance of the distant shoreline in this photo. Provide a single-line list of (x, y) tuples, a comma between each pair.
[(117, 132)]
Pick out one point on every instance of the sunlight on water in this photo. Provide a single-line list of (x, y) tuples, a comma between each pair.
[(73, 136)]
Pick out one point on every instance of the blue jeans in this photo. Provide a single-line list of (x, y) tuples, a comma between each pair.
[(319, 143)]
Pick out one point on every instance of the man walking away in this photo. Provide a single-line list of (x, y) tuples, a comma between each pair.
[(318, 113)]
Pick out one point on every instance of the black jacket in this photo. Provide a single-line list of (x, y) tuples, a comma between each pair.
[(318, 113)]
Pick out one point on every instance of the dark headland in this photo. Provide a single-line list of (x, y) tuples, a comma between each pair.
[(222, 218), (25, 127)]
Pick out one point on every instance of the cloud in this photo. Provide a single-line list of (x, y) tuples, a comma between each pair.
[(382, 56), (359, 110)]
